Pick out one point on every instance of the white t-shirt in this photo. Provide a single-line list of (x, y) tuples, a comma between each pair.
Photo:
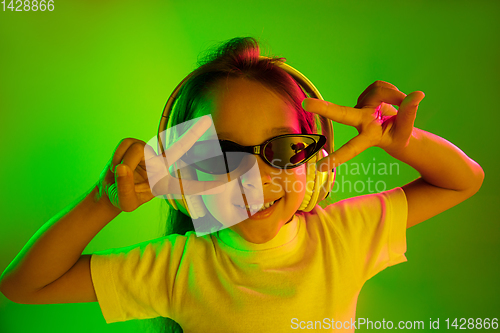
[(312, 271)]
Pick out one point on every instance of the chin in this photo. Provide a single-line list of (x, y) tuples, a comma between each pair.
[(257, 231)]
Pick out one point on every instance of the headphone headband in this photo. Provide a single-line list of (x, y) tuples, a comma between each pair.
[(304, 83)]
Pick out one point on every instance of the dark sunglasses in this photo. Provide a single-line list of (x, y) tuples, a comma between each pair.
[(286, 151)]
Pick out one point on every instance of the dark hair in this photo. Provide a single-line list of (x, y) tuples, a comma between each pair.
[(235, 58)]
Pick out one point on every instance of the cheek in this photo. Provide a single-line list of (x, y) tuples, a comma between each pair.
[(296, 183), (220, 205), (214, 202)]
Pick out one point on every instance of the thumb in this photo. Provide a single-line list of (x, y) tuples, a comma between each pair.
[(126, 188), (406, 115)]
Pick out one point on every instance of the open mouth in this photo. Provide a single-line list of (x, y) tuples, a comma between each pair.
[(254, 209)]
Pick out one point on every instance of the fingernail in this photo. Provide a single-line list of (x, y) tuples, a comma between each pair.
[(308, 104), (313, 104), (121, 170), (304, 104)]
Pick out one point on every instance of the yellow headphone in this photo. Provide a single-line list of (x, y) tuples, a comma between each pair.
[(319, 184)]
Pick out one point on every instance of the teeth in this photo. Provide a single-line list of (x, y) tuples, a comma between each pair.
[(256, 207)]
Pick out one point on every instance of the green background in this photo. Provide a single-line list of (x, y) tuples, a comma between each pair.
[(75, 81)]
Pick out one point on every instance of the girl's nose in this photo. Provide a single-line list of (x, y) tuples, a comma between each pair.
[(259, 176)]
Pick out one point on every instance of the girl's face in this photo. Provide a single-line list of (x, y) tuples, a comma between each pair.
[(248, 113)]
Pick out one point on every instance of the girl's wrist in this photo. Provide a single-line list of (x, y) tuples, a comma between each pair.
[(101, 199), (401, 152)]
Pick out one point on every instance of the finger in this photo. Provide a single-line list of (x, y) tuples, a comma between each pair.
[(142, 187), (188, 188), (202, 187), (156, 167), (126, 189), (187, 140), (150, 153), (379, 95), (134, 155), (171, 185), (405, 119), (377, 83), (349, 150), (155, 164), (338, 113), (388, 110), (120, 151)]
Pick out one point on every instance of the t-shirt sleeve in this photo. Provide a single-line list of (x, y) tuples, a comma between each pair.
[(136, 282), (372, 229)]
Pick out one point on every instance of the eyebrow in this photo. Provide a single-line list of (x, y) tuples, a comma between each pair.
[(276, 130), (282, 130)]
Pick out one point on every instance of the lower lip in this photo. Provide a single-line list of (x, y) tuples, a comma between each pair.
[(260, 215)]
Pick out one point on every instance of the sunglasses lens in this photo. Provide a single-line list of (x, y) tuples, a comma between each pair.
[(196, 157), (289, 151), (282, 152), (214, 165)]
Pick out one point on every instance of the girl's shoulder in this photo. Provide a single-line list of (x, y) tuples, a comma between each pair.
[(363, 208)]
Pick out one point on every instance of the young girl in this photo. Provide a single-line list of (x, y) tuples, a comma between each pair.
[(277, 271)]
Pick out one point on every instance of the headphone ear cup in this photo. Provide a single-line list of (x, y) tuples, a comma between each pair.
[(310, 185), (319, 184), (171, 201), (326, 179), (190, 205), (196, 205), (328, 186)]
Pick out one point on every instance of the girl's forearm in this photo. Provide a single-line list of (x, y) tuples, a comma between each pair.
[(440, 162), (58, 244)]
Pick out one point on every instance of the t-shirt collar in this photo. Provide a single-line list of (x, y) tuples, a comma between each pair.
[(285, 235)]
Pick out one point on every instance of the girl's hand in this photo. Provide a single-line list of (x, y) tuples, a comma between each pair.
[(126, 181), (378, 123)]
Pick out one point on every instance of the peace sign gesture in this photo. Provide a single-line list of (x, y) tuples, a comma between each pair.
[(378, 123), (135, 174)]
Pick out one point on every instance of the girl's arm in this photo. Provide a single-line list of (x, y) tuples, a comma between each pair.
[(51, 268), (448, 176)]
